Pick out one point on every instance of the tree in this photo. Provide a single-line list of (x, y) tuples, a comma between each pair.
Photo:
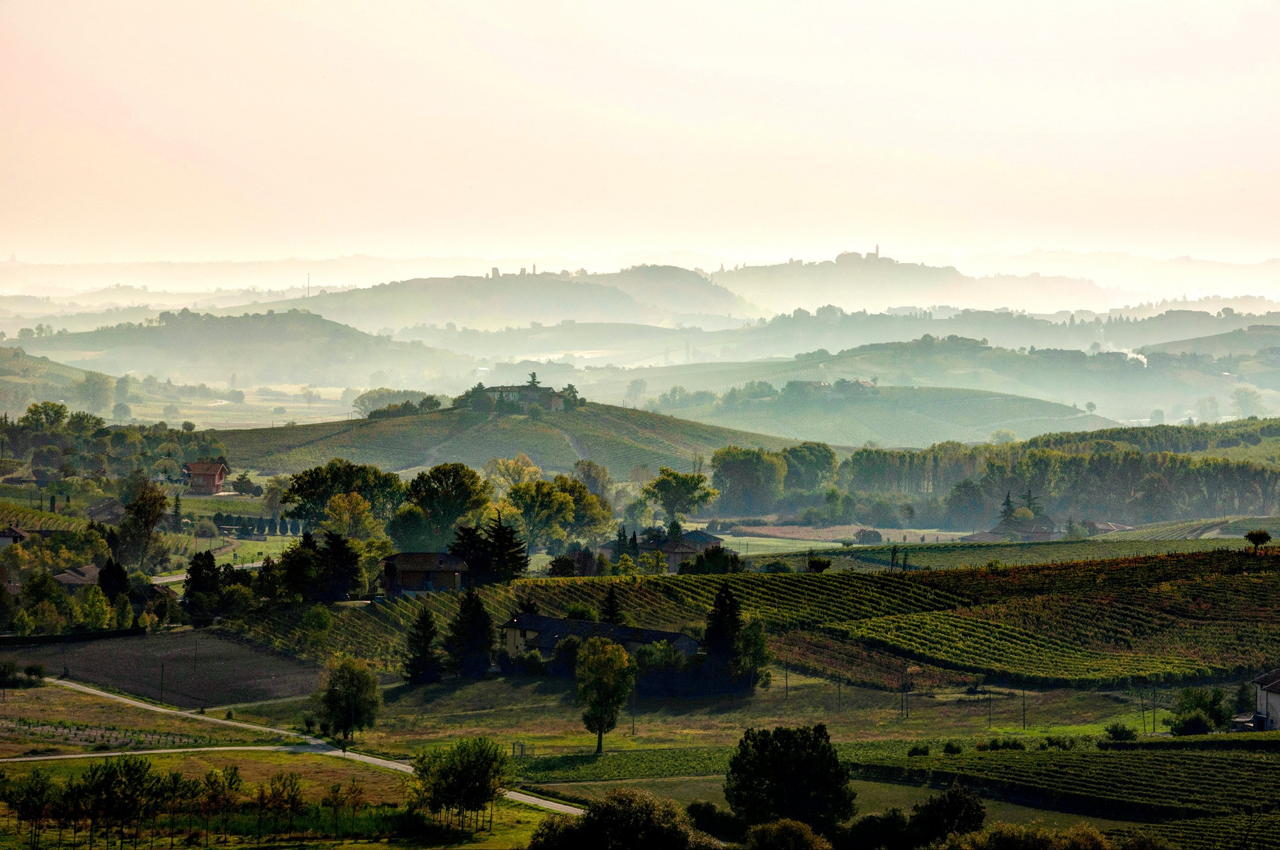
[(447, 493), (121, 412), (350, 700), (309, 491), (544, 508), (112, 579), (789, 773), (956, 811), (625, 819), (176, 520), (422, 661), (44, 416), (591, 513), (466, 777), (410, 531), (749, 480), (95, 391), (469, 644), (605, 676), (809, 465), (1259, 537), (714, 560), (611, 611), (145, 506), (678, 494), (351, 516), (1248, 402), (506, 472), (95, 610), (595, 476)]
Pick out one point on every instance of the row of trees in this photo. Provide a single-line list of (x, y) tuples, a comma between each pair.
[(426, 513)]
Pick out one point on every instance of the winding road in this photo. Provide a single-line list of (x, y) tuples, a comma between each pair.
[(310, 745)]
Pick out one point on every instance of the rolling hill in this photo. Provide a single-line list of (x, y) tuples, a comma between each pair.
[(293, 347), (1237, 343), (899, 416), (656, 294), (1123, 387), (620, 438)]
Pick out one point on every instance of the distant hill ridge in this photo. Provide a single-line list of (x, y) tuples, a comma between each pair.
[(288, 347)]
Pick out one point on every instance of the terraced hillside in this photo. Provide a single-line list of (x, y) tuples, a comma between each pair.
[(1161, 618), (618, 437)]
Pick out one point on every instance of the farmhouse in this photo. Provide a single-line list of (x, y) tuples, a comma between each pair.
[(526, 396), (411, 573), (690, 545), (11, 535), (78, 576), (526, 632), (1266, 709), (205, 477)]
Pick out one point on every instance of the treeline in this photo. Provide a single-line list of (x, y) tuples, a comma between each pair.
[(125, 799), (1165, 438), (61, 443)]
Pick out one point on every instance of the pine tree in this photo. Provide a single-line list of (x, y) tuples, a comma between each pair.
[(1007, 508), (612, 611), (177, 514), (422, 664), (469, 644), (508, 557)]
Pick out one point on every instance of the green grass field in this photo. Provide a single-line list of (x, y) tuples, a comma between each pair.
[(540, 715)]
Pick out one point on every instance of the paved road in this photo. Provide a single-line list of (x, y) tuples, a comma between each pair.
[(309, 745)]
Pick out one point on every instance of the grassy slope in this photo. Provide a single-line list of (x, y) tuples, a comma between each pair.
[(1232, 343), (913, 416), (619, 438)]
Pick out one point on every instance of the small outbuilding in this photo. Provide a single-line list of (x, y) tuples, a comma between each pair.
[(410, 573), (539, 633)]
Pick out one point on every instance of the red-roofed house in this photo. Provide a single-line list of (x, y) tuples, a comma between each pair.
[(205, 477)]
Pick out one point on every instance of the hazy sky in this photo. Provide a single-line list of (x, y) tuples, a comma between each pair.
[(611, 132)]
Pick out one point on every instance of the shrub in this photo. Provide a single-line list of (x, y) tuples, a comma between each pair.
[(1195, 722), (785, 835), (1120, 732), (952, 748), (205, 528), (713, 820), (581, 611), (919, 750)]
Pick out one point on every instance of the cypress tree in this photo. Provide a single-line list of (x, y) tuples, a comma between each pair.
[(422, 662), (469, 644), (724, 625), (177, 513), (612, 611), (113, 579)]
